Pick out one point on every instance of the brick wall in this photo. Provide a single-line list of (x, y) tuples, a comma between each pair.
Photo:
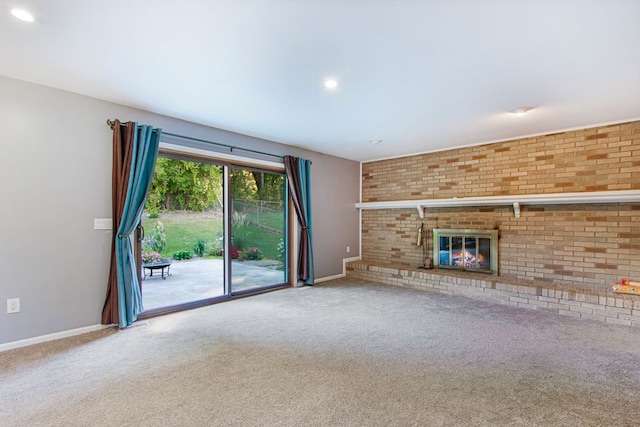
[(586, 245)]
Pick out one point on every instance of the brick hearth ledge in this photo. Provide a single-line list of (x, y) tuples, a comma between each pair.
[(567, 300)]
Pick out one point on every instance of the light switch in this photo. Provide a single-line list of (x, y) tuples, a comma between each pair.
[(102, 223)]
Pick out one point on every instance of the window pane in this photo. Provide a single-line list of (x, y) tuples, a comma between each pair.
[(456, 252), (444, 251), (470, 252), (484, 253), (257, 229), (183, 225)]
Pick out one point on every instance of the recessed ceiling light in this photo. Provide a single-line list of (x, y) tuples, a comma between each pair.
[(521, 111), (331, 83), (22, 15), (375, 141)]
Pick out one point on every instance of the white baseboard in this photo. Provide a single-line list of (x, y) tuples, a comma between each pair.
[(344, 270), (86, 329), (51, 337), (326, 279)]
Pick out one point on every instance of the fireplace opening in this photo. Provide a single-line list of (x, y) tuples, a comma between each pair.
[(473, 250)]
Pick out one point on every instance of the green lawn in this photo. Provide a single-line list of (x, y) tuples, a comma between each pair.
[(182, 230), (271, 220)]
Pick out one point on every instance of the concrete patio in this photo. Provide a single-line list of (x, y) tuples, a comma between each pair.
[(198, 279)]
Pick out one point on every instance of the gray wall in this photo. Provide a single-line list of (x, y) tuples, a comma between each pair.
[(56, 178)]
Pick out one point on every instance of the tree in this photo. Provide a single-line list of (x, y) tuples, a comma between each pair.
[(256, 185), (269, 186), (195, 186), (243, 185), (184, 185)]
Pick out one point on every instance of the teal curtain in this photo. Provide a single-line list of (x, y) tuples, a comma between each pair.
[(304, 170), (299, 178), (135, 153)]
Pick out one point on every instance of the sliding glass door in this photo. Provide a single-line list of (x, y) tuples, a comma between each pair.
[(196, 210), (183, 227), (258, 223)]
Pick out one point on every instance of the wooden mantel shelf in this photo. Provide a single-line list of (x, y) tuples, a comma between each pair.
[(620, 196)]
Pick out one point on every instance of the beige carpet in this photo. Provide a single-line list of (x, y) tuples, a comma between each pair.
[(344, 353)]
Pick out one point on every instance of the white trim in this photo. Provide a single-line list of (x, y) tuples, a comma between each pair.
[(360, 195), (51, 337), (344, 270), (215, 155), (326, 279), (532, 135), (360, 233), (617, 196), (360, 217)]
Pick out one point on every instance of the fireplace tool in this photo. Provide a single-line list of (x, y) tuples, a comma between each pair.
[(423, 240)]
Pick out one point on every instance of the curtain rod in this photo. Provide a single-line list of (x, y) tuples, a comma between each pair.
[(112, 123)]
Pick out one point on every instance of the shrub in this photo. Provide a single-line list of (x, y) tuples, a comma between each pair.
[(240, 230), (153, 215), (160, 239), (254, 254), (235, 252), (180, 255), (200, 247), (215, 248), (238, 241)]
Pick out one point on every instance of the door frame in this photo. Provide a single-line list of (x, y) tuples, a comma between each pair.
[(228, 161)]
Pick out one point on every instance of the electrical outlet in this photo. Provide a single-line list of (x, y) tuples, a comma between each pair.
[(348, 249), (13, 305)]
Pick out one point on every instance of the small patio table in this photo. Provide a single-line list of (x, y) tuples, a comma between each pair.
[(161, 265)]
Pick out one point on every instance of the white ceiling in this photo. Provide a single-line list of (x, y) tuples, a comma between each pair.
[(421, 75)]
